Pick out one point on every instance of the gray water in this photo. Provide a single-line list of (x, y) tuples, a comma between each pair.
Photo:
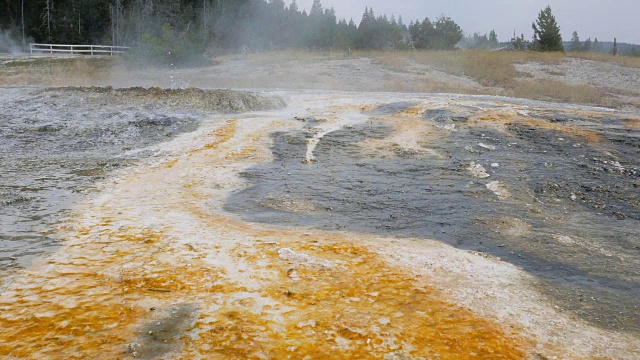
[(573, 219), (578, 204), (54, 146)]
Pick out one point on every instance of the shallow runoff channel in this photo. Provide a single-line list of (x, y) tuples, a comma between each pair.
[(553, 189), (56, 143), (345, 225)]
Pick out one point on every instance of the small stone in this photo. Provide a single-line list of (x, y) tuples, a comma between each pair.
[(564, 239), (478, 170), (485, 146), (500, 190), (134, 349)]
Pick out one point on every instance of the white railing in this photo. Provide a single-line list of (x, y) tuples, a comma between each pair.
[(77, 49)]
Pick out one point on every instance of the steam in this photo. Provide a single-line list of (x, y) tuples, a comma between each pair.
[(8, 44)]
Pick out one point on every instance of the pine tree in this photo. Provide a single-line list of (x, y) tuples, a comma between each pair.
[(519, 43), (293, 7), (575, 42), (422, 34), (493, 39), (587, 45), (316, 8), (597, 45), (448, 33), (546, 32)]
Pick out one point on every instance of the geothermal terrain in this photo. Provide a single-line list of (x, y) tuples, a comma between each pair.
[(387, 206)]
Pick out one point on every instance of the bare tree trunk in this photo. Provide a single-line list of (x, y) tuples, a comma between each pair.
[(12, 21), (116, 15), (24, 39), (147, 12), (77, 12), (118, 11), (140, 21), (205, 17), (113, 28), (204, 13), (47, 18)]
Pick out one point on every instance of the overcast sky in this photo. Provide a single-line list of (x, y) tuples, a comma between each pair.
[(591, 18)]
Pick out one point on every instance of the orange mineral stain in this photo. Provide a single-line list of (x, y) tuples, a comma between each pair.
[(358, 308), (633, 123), (507, 117), (586, 135), (258, 292), (221, 135)]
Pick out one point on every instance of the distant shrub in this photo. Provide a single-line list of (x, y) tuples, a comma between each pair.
[(170, 48)]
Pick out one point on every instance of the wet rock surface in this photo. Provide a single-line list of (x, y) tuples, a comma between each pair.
[(560, 201), (152, 266), (162, 335), (191, 99), (55, 144)]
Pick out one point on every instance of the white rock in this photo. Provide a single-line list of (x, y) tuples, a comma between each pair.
[(563, 239), (500, 190), (478, 171), (485, 146)]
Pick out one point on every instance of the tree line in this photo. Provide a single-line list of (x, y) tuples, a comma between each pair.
[(184, 28), (57, 21), (546, 37), (218, 24)]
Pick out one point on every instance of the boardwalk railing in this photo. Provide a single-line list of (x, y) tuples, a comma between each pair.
[(76, 49)]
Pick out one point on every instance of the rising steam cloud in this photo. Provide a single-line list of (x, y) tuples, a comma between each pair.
[(8, 44)]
